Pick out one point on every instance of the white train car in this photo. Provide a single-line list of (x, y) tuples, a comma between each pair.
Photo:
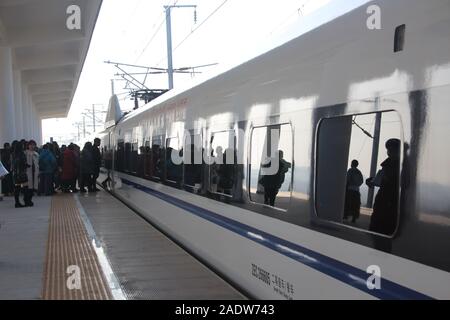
[(335, 93)]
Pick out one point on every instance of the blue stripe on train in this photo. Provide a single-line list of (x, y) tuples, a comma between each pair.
[(329, 266)]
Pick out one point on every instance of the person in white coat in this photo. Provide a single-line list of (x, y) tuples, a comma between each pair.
[(32, 170)]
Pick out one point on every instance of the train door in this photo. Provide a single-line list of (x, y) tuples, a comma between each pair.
[(116, 159), (107, 155)]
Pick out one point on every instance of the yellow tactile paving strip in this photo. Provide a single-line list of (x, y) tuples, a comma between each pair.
[(68, 245)]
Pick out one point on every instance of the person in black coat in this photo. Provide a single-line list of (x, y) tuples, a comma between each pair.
[(19, 173), (272, 183), (7, 182), (86, 167), (384, 216), (226, 172), (97, 159)]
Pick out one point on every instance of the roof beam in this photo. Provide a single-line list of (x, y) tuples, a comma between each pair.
[(51, 97), (38, 57), (50, 87), (49, 75), (21, 37)]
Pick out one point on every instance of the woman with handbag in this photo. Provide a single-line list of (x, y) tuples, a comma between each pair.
[(20, 177)]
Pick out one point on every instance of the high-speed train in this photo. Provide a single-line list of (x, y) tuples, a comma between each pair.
[(338, 91)]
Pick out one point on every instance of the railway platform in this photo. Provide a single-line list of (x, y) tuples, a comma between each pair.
[(93, 247)]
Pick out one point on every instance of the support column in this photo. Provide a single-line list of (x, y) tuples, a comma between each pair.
[(26, 104), (39, 135), (30, 118), (33, 123), (7, 114), (18, 103), (36, 128)]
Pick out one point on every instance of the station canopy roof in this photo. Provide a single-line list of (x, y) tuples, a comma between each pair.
[(49, 55)]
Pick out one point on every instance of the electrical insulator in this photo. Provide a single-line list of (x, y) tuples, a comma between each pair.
[(195, 16)]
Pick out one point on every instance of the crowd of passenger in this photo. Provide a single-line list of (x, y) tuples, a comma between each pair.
[(49, 169)]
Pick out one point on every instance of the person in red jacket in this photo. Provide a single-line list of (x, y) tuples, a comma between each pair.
[(69, 170)]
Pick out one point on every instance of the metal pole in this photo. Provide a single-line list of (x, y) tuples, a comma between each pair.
[(169, 47), (84, 128), (112, 86), (93, 115), (374, 161), (136, 102), (134, 65)]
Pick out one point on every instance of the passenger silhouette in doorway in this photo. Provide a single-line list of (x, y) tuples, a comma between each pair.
[(156, 161), (215, 168), (352, 195), (273, 183), (193, 170), (384, 216), (226, 172), (174, 171)]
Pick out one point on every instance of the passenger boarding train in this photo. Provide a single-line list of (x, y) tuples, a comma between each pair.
[(336, 92)]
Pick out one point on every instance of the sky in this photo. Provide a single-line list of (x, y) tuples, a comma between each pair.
[(226, 33)]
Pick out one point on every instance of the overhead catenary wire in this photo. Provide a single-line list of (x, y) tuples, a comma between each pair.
[(150, 41), (196, 28), (298, 12), (361, 128), (132, 14), (154, 34), (202, 23)]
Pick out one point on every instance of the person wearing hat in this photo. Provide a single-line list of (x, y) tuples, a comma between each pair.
[(384, 216)]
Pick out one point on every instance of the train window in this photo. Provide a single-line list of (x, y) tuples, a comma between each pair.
[(107, 152), (147, 163), (174, 168), (358, 171), (399, 42), (131, 153), (127, 156), (120, 157), (193, 161), (270, 169), (157, 158), (222, 169), (134, 158), (141, 161)]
